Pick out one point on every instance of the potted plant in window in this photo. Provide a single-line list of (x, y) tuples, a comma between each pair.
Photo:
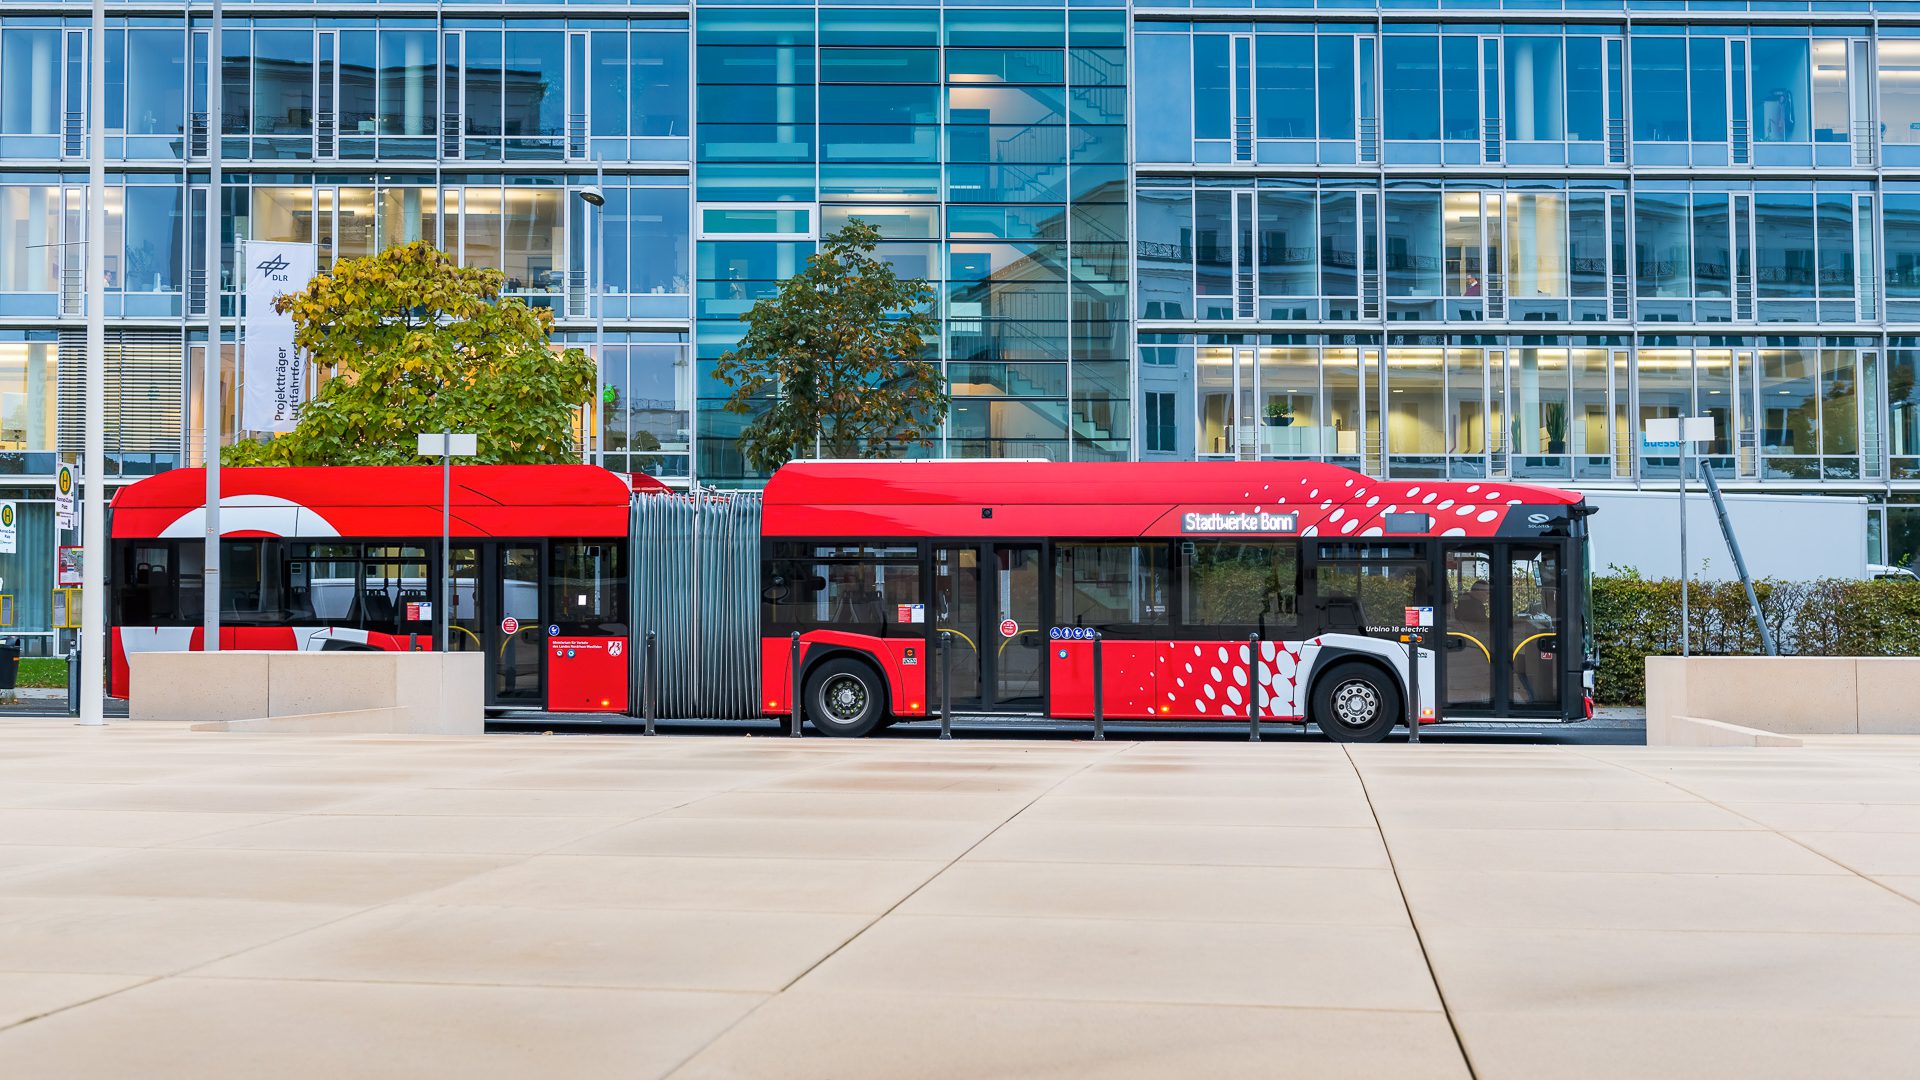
[(1279, 412), (1553, 417)]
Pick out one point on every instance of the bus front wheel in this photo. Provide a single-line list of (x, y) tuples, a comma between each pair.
[(845, 697), (1355, 703)]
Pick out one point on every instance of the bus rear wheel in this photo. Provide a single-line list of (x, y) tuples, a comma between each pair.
[(1355, 702), (846, 698)]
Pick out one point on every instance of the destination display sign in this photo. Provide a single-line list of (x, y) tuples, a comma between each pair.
[(1238, 521)]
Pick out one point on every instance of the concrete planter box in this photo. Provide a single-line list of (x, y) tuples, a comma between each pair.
[(421, 693), (1779, 696)]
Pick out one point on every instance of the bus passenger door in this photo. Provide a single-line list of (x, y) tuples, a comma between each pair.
[(1466, 632), (517, 636), (1019, 639), (465, 632), (956, 608), (1533, 640)]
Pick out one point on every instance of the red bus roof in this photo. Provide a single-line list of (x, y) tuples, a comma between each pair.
[(383, 501), (1037, 499)]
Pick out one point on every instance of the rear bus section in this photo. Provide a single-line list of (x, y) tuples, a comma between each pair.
[(534, 578)]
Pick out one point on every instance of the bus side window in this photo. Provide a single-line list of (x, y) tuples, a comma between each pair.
[(587, 587), (1110, 586)]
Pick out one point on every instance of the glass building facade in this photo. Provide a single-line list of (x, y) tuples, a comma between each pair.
[(1425, 238)]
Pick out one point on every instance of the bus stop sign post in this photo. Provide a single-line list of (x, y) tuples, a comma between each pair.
[(1414, 641), (446, 446), (1680, 433)]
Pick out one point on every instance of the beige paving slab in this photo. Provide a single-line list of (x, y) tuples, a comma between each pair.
[(1666, 851), (398, 832), (1046, 841), (1514, 969), (1872, 853), (1463, 811), (306, 877), (1832, 816), (670, 950), (1321, 896), (515, 802), (1364, 967), (803, 1035), (141, 936), (1218, 785), (921, 806), (1781, 1043), (1783, 903), (602, 776), (984, 782), (793, 838), (192, 1029), (18, 858), (27, 995), (116, 828), (1345, 810), (702, 883), (208, 798)]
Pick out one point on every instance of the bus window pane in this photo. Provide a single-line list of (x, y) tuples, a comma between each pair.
[(1110, 586), (1241, 585), (871, 589), (589, 588), (250, 583), (147, 595), (1367, 597)]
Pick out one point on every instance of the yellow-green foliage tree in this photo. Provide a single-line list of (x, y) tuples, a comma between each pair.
[(413, 343)]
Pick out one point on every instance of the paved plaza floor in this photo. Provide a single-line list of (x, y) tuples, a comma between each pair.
[(186, 905)]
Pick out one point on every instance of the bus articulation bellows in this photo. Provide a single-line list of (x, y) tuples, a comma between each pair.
[(1175, 567)]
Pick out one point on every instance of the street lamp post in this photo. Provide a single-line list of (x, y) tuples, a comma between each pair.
[(597, 199), (446, 446)]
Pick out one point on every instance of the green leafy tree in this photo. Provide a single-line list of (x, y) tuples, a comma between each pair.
[(832, 365), (411, 343)]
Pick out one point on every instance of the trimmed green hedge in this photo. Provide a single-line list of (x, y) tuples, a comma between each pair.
[(1636, 617)]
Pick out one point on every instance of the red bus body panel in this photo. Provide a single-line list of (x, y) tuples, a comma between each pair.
[(902, 662), (587, 674), (383, 501), (1017, 499)]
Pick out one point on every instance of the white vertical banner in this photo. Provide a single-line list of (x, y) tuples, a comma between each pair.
[(273, 374)]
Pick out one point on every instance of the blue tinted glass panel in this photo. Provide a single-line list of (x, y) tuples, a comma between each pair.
[(1709, 85), (1460, 87), (1413, 243), (1535, 91), (1659, 89), (1781, 88), (1336, 86), (1284, 75), (1586, 90), (1212, 86), (660, 84), (1411, 78), (1663, 254), (1783, 229)]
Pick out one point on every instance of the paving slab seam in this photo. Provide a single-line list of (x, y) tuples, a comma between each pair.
[(871, 923), (1426, 958), (1790, 838)]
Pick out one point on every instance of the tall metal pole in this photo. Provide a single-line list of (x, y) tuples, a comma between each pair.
[(446, 542), (600, 328), (1685, 624), (93, 512), (210, 418)]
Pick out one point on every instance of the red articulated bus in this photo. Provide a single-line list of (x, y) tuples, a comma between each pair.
[(349, 558), (1176, 567)]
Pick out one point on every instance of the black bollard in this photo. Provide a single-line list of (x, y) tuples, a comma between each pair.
[(650, 681), (946, 684), (1099, 694), (794, 689), (1253, 688)]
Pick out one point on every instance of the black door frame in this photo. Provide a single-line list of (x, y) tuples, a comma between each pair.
[(1499, 623), (986, 629), (493, 586)]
